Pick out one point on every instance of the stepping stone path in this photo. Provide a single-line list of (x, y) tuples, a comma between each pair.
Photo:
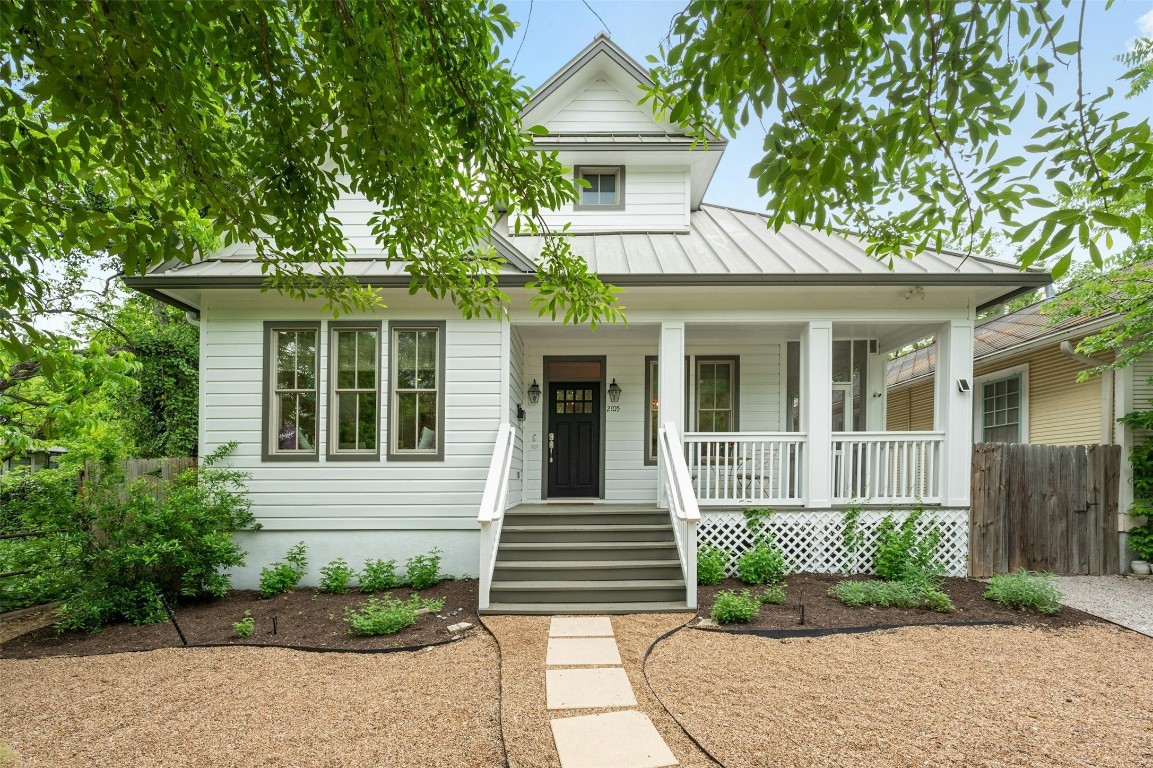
[(592, 678)]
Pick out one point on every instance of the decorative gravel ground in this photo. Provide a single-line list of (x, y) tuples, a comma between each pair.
[(952, 696), (1127, 600), (824, 611), (218, 707), (305, 617), (524, 641)]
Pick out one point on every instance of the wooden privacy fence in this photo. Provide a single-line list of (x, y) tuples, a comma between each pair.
[(1045, 508), (157, 471)]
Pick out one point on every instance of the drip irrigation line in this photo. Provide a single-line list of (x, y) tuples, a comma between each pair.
[(301, 648), (499, 689), (786, 634), (645, 673)]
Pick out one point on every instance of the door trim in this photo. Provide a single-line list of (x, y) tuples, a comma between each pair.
[(603, 360)]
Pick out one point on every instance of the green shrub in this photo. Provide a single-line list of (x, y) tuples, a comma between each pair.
[(773, 595), (335, 577), (762, 564), (891, 594), (387, 615), (246, 626), (731, 608), (1025, 590), (40, 501), (284, 576), (1141, 540), (901, 550), (423, 571), (711, 562), (135, 551), (378, 576)]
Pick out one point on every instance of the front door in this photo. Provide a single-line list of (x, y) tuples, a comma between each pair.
[(574, 439)]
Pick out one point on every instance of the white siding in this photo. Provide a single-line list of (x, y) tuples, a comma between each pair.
[(656, 200), (600, 108), (436, 502), (626, 477), (516, 396)]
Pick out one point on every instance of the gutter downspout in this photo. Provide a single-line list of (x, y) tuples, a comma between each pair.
[(1106, 389)]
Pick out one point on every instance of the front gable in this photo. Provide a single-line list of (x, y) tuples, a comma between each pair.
[(600, 107)]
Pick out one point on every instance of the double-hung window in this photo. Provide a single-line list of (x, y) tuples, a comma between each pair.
[(417, 390), (652, 405), (717, 385), (354, 387), (603, 187), (1001, 415), (290, 393)]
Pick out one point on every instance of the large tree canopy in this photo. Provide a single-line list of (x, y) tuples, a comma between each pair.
[(146, 131), (895, 112)]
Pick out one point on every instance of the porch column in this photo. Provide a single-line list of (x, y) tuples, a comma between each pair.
[(817, 412), (953, 410), (670, 385)]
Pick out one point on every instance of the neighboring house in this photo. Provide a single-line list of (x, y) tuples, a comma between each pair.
[(387, 435), (33, 461)]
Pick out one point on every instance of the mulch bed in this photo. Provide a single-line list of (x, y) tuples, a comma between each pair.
[(822, 611), (305, 618)]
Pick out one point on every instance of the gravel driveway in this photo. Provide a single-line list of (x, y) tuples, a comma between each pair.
[(225, 707), (1125, 600)]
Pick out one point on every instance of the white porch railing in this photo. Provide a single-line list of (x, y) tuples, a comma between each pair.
[(492, 506), (746, 467), (887, 467), (682, 503)]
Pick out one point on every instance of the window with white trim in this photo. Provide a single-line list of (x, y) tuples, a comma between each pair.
[(354, 410), (1001, 412), (417, 396), (291, 399), (603, 188), (716, 394)]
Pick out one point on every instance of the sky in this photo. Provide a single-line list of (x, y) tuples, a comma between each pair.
[(559, 29)]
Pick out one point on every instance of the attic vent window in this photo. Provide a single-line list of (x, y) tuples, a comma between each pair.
[(605, 190)]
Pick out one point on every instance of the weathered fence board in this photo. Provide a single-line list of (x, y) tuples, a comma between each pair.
[(156, 472), (1044, 508)]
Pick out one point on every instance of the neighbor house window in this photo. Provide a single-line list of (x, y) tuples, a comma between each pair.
[(354, 386), (717, 394), (290, 392), (1001, 410), (417, 410), (605, 188)]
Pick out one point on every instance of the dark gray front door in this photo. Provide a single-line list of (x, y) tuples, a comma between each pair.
[(573, 450)]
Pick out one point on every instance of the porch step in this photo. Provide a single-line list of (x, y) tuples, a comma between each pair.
[(586, 550), (590, 570), (612, 532), (578, 591), (580, 609), (585, 514)]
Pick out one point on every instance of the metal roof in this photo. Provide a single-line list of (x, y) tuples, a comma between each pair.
[(1000, 335)]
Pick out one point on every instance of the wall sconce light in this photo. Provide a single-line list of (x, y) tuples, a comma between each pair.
[(963, 385), (614, 391), (520, 412), (534, 393)]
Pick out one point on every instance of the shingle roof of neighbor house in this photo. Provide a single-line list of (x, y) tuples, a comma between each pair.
[(1014, 331)]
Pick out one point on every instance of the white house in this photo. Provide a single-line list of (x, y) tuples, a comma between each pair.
[(387, 435)]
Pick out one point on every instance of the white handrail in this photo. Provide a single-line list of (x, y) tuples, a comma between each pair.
[(493, 501), (683, 508)]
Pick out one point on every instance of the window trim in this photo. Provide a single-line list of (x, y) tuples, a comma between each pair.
[(267, 452), (736, 407), (979, 383), (391, 431), (647, 407), (333, 451), (619, 205)]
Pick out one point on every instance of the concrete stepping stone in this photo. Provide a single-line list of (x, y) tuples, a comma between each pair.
[(582, 651), (580, 626), (618, 739), (588, 688)]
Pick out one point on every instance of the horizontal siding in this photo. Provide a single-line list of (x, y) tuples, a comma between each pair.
[(656, 200), (601, 107), (910, 409), (516, 396), (309, 492)]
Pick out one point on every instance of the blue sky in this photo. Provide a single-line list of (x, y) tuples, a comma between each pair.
[(561, 28)]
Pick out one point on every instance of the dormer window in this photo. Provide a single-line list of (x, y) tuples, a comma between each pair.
[(605, 190)]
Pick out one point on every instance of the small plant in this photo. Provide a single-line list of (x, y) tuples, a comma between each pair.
[(336, 576), (1025, 590), (387, 615), (245, 627), (890, 594), (283, 577), (1141, 541), (901, 549), (762, 564), (731, 608), (378, 576), (773, 595), (423, 571), (711, 562)]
